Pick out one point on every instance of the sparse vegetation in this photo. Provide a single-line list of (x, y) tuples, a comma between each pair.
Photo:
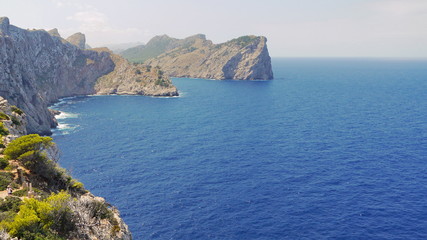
[(76, 184), (3, 130), (17, 110), (20, 192), (16, 121), (242, 41), (3, 163), (4, 116), (5, 179)]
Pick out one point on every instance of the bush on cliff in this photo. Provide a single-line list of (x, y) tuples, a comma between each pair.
[(16, 110), (29, 143), (4, 116), (3, 130), (3, 163), (5, 179), (46, 219)]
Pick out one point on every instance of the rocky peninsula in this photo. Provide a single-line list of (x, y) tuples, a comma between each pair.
[(243, 58)]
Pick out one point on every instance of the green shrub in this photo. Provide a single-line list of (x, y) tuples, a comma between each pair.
[(5, 179), (46, 219), (3, 163), (10, 204), (28, 143), (24, 192), (77, 185), (100, 210), (16, 110), (3, 130), (21, 192), (16, 121), (6, 216), (2, 145), (9, 168), (4, 116)]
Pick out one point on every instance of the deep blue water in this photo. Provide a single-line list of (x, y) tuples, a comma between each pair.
[(330, 149)]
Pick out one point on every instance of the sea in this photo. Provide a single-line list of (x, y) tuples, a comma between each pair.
[(332, 148)]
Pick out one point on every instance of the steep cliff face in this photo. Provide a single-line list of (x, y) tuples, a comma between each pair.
[(85, 217), (244, 58), (37, 68)]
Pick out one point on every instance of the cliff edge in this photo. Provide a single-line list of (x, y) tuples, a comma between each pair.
[(37, 68), (45, 202), (243, 58)]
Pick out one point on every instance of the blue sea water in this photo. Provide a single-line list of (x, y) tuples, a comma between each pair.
[(330, 149)]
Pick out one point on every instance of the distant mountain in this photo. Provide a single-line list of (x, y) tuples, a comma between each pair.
[(120, 47), (155, 47), (243, 58), (77, 39)]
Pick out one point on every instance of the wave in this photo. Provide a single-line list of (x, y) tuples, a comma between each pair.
[(64, 129), (65, 115)]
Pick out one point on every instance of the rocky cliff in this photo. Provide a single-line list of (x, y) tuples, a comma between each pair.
[(244, 58), (128, 78), (37, 68), (77, 214)]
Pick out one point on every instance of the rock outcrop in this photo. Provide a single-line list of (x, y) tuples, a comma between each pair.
[(244, 58), (37, 68), (78, 40), (54, 32), (132, 79), (90, 217)]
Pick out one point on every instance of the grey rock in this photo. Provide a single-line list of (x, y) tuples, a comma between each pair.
[(244, 58), (37, 69)]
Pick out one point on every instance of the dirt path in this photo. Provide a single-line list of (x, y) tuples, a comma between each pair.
[(3, 194)]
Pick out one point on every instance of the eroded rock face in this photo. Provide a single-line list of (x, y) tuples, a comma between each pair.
[(244, 58), (128, 78), (78, 40), (37, 68), (15, 124)]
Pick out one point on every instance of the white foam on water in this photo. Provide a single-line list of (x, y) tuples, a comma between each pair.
[(64, 129), (64, 115)]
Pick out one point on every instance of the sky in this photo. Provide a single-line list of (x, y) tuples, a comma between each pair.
[(303, 28)]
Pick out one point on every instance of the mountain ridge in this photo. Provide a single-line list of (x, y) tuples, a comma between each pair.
[(243, 58)]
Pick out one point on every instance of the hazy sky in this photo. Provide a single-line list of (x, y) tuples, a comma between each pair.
[(294, 28)]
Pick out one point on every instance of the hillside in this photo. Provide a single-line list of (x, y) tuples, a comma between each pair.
[(46, 202), (243, 58), (155, 47)]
